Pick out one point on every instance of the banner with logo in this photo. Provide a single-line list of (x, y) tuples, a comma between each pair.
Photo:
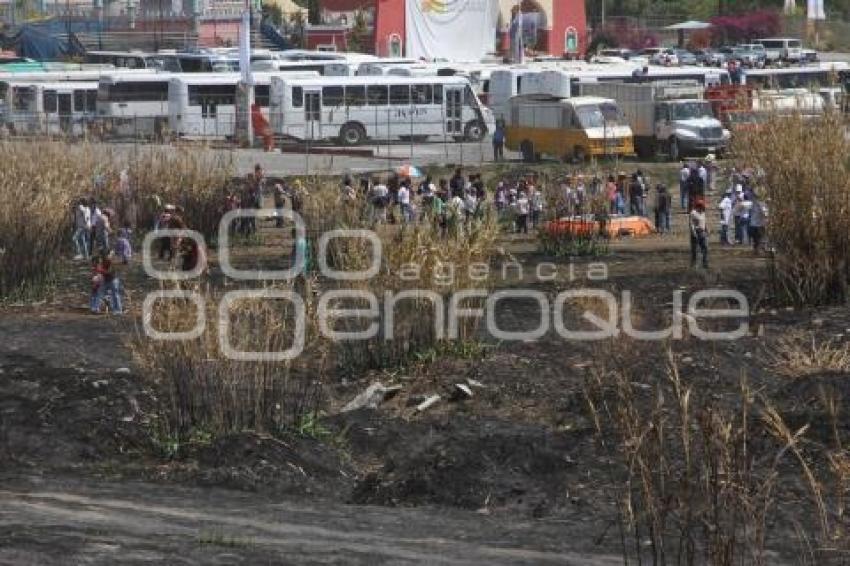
[(458, 30)]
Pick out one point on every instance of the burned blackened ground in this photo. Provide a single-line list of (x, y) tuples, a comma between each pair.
[(512, 458)]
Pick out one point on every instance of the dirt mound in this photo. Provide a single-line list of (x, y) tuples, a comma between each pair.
[(463, 462), (292, 464)]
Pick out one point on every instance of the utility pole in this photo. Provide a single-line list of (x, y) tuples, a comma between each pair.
[(603, 11)]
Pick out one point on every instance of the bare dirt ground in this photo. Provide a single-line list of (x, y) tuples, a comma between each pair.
[(513, 475)]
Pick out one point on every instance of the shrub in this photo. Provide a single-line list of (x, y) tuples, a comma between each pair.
[(745, 27)]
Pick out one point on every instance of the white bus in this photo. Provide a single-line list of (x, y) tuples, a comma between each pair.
[(134, 104), (208, 61), (204, 106), (811, 77), (381, 66), (51, 108), (134, 60), (332, 68), (354, 109)]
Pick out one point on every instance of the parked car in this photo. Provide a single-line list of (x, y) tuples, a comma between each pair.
[(685, 57), (710, 57), (661, 56), (755, 54), (809, 56), (740, 55)]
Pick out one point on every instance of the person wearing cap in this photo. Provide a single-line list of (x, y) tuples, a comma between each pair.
[(699, 233), (725, 207)]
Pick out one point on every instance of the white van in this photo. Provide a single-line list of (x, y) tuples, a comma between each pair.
[(782, 49)]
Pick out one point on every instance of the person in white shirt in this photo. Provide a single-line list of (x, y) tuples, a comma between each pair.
[(470, 204), (725, 207), (741, 211), (699, 234), (536, 205), (522, 209), (82, 230), (404, 202)]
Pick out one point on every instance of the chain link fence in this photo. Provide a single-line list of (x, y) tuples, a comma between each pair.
[(389, 137)]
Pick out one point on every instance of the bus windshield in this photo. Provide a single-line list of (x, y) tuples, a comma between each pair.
[(691, 110), (590, 116)]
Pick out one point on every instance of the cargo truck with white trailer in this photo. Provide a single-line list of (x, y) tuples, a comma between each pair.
[(672, 117)]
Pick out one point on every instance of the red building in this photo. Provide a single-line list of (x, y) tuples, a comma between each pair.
[(559, 27)]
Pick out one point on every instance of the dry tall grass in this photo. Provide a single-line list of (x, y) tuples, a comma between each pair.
[(40, 182), (806, 168), (703, 480), (800, 354), (200, 389), (37, 185)]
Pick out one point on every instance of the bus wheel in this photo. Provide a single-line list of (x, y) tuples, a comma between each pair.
[(526, 148), (352, 134), (579, 154), (474, 131)]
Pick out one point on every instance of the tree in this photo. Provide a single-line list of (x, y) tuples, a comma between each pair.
[(273, 14), (314, 12)]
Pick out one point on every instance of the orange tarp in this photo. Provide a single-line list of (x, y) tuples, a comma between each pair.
[(615, 226)]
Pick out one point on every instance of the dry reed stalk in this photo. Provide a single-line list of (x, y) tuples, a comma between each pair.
[(806, 183)]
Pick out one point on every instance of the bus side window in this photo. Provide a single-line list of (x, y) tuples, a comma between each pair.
[(261, 95), (297, 97), (79, 101), (400, 95), (332, 96), (91, 101), (355, 95), (568, 118), (468, 96), (438, 94), (421, 94), (50, 101), (377, 95)]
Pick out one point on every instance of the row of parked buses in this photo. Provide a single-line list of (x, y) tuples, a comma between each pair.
[(352, 99)]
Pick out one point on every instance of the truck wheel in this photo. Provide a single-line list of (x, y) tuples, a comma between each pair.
[(352, 134), (673, 148), (474, 131), (526, 148), (645, 150)]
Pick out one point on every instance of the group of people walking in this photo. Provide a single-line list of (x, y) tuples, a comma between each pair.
[(96, 239)]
